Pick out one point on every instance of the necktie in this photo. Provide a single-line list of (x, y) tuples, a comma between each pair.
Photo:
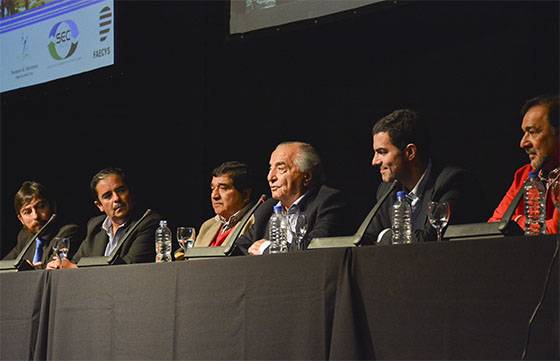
[(416, 220), (38, 251), (413, 199)]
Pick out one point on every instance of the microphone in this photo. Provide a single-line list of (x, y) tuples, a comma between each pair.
[(114, 255), (20, 263), (113, 258), (227, 249), (356, 238), (363, 227), (243, 222)]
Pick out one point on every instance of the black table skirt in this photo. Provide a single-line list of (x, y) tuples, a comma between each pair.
[(459, 300)]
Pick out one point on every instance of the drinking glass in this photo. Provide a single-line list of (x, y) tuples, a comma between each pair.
[(61, 246), (438, 214), (553, 182), (299, 231), (185, 237)]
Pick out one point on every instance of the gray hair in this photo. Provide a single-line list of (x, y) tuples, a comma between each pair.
[(308, 161)]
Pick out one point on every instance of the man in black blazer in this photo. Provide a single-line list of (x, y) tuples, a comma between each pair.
[(34, 207), (400, 146), (296, 182), (113, 197)]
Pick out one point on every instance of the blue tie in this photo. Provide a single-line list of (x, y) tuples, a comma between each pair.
[(38, 251)]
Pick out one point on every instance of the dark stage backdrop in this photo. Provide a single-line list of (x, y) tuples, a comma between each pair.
[(183, 96)]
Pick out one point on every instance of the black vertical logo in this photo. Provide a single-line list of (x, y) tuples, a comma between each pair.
[(104, 22)]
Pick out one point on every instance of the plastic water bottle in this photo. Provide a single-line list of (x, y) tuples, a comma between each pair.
[(402, 226), (163, 242), (277, 231), (535, 207)]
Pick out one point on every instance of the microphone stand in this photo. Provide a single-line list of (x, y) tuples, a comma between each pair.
[(113, 258), (226, 250), (20, 263), (355, 239)]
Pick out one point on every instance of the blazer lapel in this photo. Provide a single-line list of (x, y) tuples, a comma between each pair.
[(427, 196), (100, 243), (204, 239), (422, 216)]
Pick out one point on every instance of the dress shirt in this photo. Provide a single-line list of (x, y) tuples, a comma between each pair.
[(232, 221), (291, 214), (113, 241)]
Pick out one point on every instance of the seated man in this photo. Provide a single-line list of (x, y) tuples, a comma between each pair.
[(113, 197), (230, 193), (296, 182), (540, 126), (34, 207), (400, 147)]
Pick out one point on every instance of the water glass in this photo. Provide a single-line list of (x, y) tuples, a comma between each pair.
[(61, 246), (553, 183), (438, 215), (299, 231), (186, 237)]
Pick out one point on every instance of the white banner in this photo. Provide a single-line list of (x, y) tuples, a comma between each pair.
[(54, 40)]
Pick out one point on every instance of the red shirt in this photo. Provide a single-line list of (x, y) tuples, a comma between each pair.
[(521, 175)]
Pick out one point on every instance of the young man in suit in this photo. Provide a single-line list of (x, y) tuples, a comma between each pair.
[(400, 148), (34, 207)]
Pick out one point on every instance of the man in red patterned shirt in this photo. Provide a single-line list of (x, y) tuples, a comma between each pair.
[(540, 141)]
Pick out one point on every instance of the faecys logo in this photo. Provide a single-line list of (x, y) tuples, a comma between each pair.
[(63, 39)]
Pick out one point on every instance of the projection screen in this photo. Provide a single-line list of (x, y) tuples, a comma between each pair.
[(42, 40), (249, 15)]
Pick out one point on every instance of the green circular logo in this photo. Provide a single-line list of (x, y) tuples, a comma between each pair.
[(63, 39)]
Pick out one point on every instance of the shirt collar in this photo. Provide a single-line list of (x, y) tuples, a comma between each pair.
[(295, 206), (418, 189), (107, 225), (232, 221)]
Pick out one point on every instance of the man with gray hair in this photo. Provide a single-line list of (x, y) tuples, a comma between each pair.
[(296, 181)]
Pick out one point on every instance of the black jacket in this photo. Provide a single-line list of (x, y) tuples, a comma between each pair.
[(56, 229), (452, 184), (323, 207), (138, 248)]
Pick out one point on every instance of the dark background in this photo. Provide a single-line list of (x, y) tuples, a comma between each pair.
[(184, 96)]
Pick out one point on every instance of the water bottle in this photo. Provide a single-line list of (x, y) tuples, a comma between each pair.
[(535, 207), (163, 242), (402, 225), (277, 231)]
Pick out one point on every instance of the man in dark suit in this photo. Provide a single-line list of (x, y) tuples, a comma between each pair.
[(400, 146), (113, 197), (296, 182), (34, 207)]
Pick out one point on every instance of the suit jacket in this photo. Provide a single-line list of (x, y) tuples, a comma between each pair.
[(323, 207), (209, 231), (138, 248), (56, 229), (451, 184)]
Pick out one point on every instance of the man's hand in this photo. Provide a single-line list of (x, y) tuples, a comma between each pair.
[(37, 265), (55, 264), (254, 250)]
